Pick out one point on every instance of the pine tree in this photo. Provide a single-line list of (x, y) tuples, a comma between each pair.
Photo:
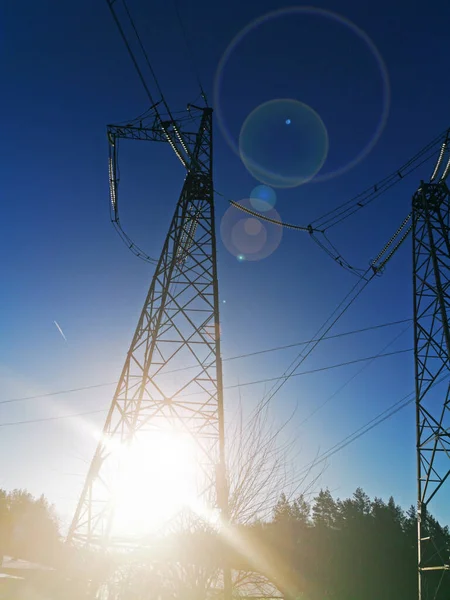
[(282, 511), (324, 509), (301, 511)]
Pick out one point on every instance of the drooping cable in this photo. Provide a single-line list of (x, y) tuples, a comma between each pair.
[(169, 127), (371, 424), (115, 219), (334, 253), (227, 359), (308, 372), (319, 226), (115, 134), (335, 316), (228, 387), (349, 439), (135, 249), (255, 213), (359, 201), (110, 4), (358, 433), (328, 337), (190, 52), (340, 310), (376, 266), (57, 418), (350, 379), (144, 52), (363, 199), (114, 178), (178, 133)]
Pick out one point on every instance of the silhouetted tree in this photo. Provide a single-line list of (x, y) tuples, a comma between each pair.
[(354, 548), (301, 510), (324, 510)]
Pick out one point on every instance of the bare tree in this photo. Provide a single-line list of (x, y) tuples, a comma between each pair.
[(261, 466)]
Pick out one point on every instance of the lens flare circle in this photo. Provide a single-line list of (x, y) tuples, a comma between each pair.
[(248, 238), (281, 156), (328, 14), (263, 198), (253, 227)]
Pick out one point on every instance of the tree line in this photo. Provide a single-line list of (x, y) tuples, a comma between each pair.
[(351, 549), (322, 549)]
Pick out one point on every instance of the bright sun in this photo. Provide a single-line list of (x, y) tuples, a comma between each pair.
[(158, 476)]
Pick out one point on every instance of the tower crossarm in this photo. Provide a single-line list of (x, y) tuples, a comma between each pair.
[(192, 148), (146, 134), (161, 131)]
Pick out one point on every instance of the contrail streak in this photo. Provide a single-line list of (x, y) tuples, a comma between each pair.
[(60, 330)]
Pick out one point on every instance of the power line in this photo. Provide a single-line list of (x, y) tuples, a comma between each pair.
[(144, 52), (374, 422), (190, 51), (328, 337), (319, 226), (349, 208), (344, 385), (383, 416), (376, 266), (319, 369), (358, 433), (230, 358), (341, 309), (59, 392), (130, 51), (304, 343), (362, 199), (153, 109), (58, 418), (239, 385), (349, 439)]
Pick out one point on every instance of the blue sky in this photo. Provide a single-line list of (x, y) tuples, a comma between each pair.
[(66, 75)]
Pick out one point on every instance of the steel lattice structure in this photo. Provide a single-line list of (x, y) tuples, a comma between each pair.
[(431, 273), (178, 330)]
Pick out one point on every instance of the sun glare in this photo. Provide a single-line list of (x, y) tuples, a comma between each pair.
[(158, 476)]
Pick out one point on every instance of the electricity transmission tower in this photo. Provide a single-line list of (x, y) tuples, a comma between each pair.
[(431, 279), (178, 330), (172, 376)]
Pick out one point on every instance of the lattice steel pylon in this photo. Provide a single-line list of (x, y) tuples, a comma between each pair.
[(172, 377), (431, 282)]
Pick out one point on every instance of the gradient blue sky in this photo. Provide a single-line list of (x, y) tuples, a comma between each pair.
[(66, 74)]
